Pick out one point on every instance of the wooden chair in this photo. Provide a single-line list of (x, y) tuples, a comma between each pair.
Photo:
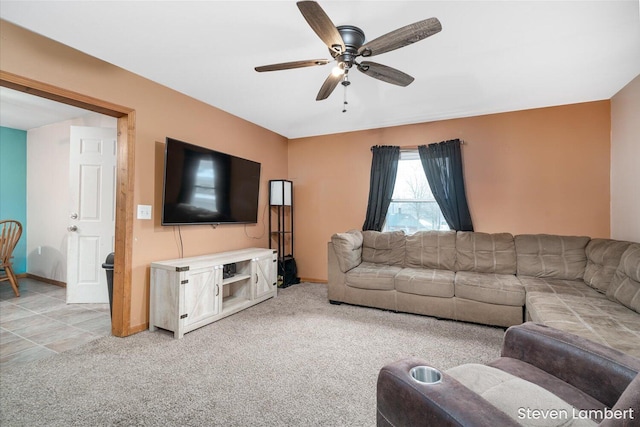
[(10, 232)]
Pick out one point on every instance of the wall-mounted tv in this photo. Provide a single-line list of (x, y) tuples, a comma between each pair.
[(203, 186)]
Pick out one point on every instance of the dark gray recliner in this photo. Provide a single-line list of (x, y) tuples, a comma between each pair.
[(543, 377)]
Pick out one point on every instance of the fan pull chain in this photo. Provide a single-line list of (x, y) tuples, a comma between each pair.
[(345, 83)]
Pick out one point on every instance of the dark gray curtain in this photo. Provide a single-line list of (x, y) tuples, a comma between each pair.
[(384, 166), (442, 163)]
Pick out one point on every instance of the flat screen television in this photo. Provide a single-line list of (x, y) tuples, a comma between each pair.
[(203, 186)]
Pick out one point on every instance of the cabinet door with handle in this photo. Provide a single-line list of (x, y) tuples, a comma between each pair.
[(264, 275), (201, 294)]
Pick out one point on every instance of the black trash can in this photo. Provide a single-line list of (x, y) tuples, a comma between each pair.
[(108, 268)]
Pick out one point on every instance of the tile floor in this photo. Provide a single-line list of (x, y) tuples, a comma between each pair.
[(40, 323)]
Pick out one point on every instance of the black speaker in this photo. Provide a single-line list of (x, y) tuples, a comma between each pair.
[(228, 270), (288, 270)]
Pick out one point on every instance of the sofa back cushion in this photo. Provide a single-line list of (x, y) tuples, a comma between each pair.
[(383, 247), (431, 249), (603, 258), (348, 249), (625, 286), (551, 256), (485, 253)]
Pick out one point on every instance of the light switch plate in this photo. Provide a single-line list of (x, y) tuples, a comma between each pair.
[(144, 211)]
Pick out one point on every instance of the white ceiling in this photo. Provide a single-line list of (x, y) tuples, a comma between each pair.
[(491, 56), (23, 111)]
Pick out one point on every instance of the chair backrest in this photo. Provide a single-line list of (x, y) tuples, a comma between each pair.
[(10, 232)]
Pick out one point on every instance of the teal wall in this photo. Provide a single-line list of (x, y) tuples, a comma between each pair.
[(13, 187)]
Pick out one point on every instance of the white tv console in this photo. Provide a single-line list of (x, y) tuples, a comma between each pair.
[(188, 293)]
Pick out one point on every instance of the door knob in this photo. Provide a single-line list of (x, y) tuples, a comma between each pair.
[(72, 228), (74, 216)]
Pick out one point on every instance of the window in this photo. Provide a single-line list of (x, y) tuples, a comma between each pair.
[(413, 207), (204, 194)]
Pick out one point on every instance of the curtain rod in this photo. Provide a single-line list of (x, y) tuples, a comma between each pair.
[(415, 147)]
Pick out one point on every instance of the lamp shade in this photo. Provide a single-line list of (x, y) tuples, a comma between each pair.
[(280, 192)]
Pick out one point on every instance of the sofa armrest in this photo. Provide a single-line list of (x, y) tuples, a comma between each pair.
[(348, 249), (599, 371), (404, 401)]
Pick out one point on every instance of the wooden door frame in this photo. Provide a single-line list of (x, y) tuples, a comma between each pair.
[(121, 318)]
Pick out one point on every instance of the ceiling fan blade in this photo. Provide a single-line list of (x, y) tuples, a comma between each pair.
[(401, 37), (322, 25), (328, 86), (384, 73), (294, 64)]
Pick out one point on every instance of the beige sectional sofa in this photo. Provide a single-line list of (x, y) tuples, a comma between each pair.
[(590, 287)]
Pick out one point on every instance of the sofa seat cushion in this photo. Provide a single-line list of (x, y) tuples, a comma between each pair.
[(514, 395), (625, 286), (485, 252), (501, 289), (369, 275), (603, 258), (425, 281), (557, 286), (552, 256), (576, 397), (595, 318)]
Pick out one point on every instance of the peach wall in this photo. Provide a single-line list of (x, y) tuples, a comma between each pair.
[(537, 171), (160, 112)]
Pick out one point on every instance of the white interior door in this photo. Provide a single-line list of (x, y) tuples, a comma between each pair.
[(92, 164)]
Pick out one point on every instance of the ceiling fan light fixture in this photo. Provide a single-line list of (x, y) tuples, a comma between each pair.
[(347, 42), (338, 70)]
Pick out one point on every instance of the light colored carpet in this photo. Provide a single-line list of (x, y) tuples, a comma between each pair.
[(294, 360)]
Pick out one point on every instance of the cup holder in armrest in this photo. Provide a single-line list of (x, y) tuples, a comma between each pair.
[(426, 375)]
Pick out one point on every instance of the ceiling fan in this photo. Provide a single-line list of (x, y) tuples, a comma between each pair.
[(346, 43)]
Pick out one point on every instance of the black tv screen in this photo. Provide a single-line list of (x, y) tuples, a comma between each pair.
[(203, 186)]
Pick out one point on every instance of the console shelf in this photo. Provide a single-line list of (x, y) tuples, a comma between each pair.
[(189, 293), (235, 278)]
